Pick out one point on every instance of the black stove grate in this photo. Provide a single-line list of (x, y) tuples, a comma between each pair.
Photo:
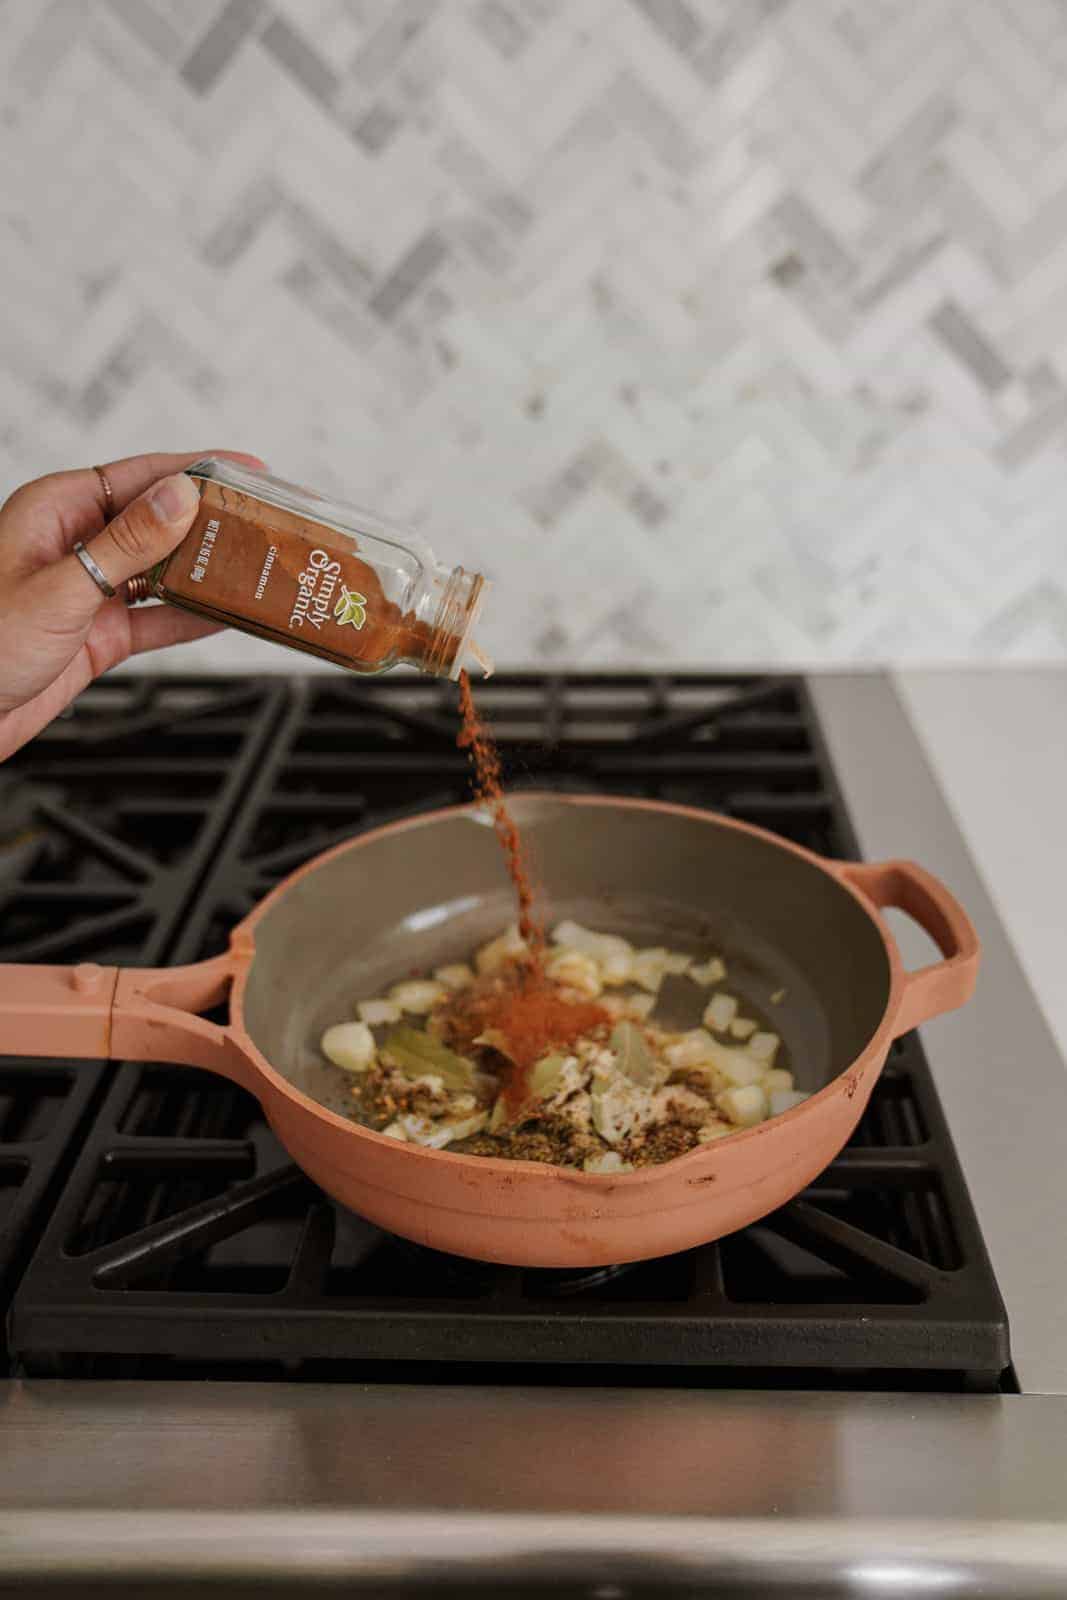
[(185, 1241), (108, 821)]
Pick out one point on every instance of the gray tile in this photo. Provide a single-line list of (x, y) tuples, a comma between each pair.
[(811, 241), (149, 25), (905, 262), (635, 105), (511, 210), (383, 50), (242, 223), (647, 506), (376, 127), (317, 238), (1042, 384), (678, 23), (892, 169), (319, 295), (733, 33), (292, 51), (553, 499), (1023, 442), (410, 273), (959, 334), (502, 25), (214, 52)]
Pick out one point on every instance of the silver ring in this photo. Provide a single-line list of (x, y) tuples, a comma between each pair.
[(93, 570)]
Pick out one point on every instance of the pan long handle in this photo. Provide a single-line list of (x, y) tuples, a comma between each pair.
[(129, 1014), (944, 985)]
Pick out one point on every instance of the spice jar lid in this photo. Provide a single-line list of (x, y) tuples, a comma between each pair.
[(468, 655)]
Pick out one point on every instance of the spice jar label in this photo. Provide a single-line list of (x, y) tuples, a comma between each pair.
[(246, 558)]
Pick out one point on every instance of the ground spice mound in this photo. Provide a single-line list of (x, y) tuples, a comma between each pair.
[(530, 1014), (475, 738)]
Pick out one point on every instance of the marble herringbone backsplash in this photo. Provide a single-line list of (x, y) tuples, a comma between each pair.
[(714, 330)]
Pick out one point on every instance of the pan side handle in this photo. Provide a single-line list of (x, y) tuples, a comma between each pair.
[(57, 1011), (156, 1017), (89, 1012), (943, 985)]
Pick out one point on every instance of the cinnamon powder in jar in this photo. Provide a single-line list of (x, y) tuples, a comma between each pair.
[(281, 563)]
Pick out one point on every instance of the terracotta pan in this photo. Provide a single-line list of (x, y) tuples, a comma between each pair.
[(418, 893)]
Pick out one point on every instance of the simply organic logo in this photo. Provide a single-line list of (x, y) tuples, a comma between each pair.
[(351, 608)]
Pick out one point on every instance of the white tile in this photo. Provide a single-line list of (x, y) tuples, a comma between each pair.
[(611, 235)]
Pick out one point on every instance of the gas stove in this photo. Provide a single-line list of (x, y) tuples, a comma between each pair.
[(415, 1418), (165, 1231)]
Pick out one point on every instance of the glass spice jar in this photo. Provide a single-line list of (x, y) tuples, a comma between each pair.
[(283, 563)]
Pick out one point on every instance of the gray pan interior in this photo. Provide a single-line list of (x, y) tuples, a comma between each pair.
[(429, 893)]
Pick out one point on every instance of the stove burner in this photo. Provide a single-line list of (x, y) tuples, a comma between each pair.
[(185, 1241), (540, 1283), (559, 1283)]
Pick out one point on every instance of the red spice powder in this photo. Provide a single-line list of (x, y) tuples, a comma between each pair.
[(533, 1017), (475, 738)]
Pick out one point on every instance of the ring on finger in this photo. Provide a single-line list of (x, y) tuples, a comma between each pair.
[(109, 493), (95, 572)]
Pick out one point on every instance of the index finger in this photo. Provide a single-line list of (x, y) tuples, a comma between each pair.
[(79, 498)]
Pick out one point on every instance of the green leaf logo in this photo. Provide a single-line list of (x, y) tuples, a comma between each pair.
[(351, 608)]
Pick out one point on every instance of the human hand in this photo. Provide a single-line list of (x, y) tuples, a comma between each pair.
[(58, 630)]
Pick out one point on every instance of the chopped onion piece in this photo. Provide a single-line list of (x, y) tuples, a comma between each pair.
[(680, 1104), (743, 1027), (764, 1047), (498, 952), (349, 1045), (736, 1066), (720, 1012), (374, 1012), (395, 1131), (417, 997), (575, 971), (612, 954), (677, 963), (650, 967), (610, 1161), (455, 976), (708, 972), (691, 1050), (639, 1006), (785, 1099), (713, 1129), (435, 1134), (777, 1078), (743, 1106)]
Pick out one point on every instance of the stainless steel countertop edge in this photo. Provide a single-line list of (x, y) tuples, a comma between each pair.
[(996, 1063), (601, 1555), (77, 1455)]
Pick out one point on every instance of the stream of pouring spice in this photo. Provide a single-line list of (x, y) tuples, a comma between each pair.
[(476, 739), (527, 1011)]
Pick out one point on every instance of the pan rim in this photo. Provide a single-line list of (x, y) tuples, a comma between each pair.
[(844, 1082)]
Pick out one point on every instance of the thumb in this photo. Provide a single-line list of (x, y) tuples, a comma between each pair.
[(145, 531)]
